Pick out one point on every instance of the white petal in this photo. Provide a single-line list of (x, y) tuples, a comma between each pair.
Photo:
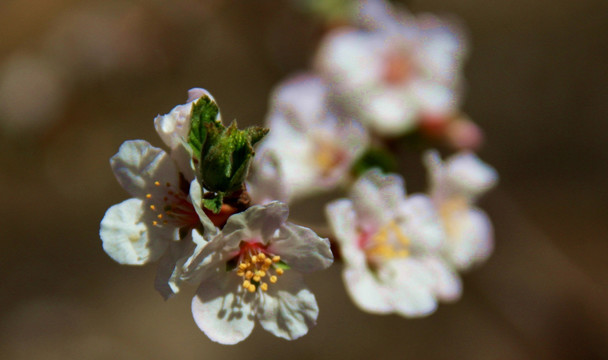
[(390, 112), (448, 286), (343, 222), (422, 223), (301, 248), (412, 287), (288, 309), (467, 174), (220, 312), (169, 275), (434, 99), (196, 197), (266, 182), (376, 197), (128, 234), (366, 291), (257, 221), (472, 240), (302, 98), (138, 165)]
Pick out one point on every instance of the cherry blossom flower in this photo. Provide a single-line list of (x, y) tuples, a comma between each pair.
[(173, 129), (314, 146), (398, 70), (454, 186), (251, 270), (160, 220), (390, 245)]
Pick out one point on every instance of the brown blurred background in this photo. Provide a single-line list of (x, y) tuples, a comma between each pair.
[(77, 78)]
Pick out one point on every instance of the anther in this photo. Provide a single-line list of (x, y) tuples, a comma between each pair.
[(264, 286), (152, 207), (154, 222), (251, 288), (148, 196), (257, 278), (279, 271), (160, 216), (254, 259), (267, 262), (248, 274), (157, 183), (262, 256), (246, 284), (276, 258), (273, 279)]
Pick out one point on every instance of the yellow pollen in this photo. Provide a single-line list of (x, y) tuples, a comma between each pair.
[(157, 183), (257, 270), (389, 242), (154, 222), (148, 196), (160, 216), (152, 207)]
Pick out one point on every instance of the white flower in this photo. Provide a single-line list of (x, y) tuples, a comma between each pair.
[(390, 245), (454, 186), (251, 270), (315, 147), (160, 215), (401, 69), (173, 129)]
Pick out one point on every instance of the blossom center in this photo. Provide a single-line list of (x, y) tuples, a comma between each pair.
[(388, 242), (257, 268), (398, 68), (327, 156), (172, 207)]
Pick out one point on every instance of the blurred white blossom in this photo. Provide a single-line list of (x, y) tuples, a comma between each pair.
[(455, 184), (390, 247), (397, 70), (315, 147)]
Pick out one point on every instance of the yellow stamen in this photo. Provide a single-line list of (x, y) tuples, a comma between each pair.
[(251, 288), (148, 196), (276, 258), (157, 183), (279, 271), (264, 286), (152, 207), (273, 279)]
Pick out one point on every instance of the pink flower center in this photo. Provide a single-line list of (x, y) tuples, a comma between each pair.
[(385, 243), (398, 68), (256, 266), (173, 208)]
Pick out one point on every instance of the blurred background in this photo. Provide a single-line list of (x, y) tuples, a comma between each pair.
[(77, 78)]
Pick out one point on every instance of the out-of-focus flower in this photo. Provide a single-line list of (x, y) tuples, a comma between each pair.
[(266, 181), (160, 215), (402, 67), (315, 147), (390, 245), (173, 129), (251, 270), (454, 186), (32, 94)]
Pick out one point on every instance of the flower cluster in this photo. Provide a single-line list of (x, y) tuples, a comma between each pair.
[(190, 210), (386, 81), (384, 77)]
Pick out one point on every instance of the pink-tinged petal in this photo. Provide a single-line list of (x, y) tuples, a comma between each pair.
[(434, 99), (288, 309), (473, 240), (224, 315), (448, 286), (128, 234), (197, 93), (302, 99), (412, 287), (342, 220), (139, 165), (301, 248), (366, 291)]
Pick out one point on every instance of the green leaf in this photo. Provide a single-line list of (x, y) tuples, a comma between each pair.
[(374, 158), (281, 265), (204, 119), (214, 203)]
